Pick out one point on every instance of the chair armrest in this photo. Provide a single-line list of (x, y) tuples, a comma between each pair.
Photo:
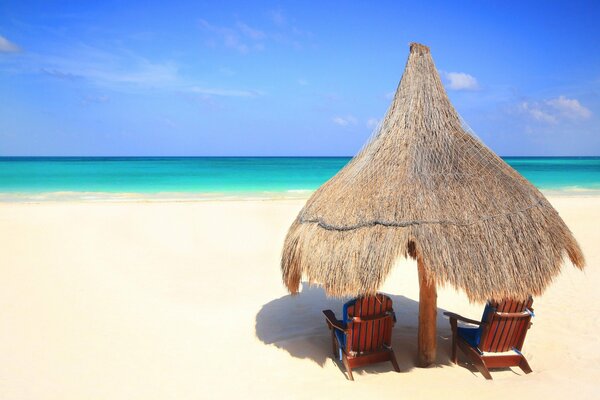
[(457, 317), (523, 314), (387, 314), (332, 321)]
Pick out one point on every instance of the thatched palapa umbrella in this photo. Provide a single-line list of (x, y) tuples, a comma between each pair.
[(425, 187)]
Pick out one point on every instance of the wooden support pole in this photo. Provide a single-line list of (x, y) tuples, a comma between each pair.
[(427, 318)]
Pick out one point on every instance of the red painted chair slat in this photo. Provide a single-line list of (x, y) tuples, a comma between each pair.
[(507, 342)]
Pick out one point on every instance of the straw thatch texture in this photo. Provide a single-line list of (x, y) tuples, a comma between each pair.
[(426, 187)]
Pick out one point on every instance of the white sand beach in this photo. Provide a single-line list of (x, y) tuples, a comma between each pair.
[(184, 300)]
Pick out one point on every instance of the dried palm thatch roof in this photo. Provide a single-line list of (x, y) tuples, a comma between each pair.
[(425, 186)]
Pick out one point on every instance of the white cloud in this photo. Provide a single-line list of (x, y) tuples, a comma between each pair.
[(552, 111), (535, 111), (460, 81), (344, 120), (225, 92), (569, 108), (7, 46)]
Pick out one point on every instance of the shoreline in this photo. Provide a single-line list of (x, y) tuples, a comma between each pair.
[(159, 197), (201, 197)]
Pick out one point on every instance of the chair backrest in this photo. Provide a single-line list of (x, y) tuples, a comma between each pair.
[(504, 325), (369, 323)]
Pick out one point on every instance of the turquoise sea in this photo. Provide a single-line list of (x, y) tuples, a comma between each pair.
[(189, 177)]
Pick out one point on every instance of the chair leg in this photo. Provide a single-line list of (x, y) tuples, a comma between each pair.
[(334, 346), (347, 365), (524, 365), (454, 358), (475, 357), (454, 328), (480, 365), (394, 362)]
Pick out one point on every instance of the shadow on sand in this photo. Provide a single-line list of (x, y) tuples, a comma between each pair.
[(296, 324)]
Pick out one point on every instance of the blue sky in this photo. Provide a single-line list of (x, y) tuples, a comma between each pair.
[(288, 78)]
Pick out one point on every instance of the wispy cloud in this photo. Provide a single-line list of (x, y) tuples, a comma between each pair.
[(60, 74), (6, 46), (460, 81), (240, 37), (277, 17), (346, 120), (104, 68), (143, 73), (245, 38), (535, 111), (554, 110), (250, 32), (224, 92), (569, 108), (95, 100), (124, 70)]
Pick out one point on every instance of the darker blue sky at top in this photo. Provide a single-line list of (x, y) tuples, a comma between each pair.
[(288, 78)]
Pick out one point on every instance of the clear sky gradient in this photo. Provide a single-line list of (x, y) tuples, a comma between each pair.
[(288, 78)]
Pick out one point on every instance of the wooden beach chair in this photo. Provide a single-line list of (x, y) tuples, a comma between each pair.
[(364, 335), (497, 341)]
